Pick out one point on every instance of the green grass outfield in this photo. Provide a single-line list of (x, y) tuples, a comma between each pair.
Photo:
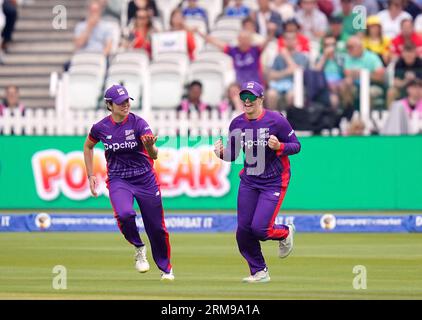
[(208, 266)]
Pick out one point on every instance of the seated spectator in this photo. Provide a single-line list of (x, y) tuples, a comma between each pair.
[(11, 101), (135, 5), (280, 76), (10, 10), (331, 63), (348, 17), (407, 35), (375, 41), (314, 23), (193, 10), (93, 34), (292, 26), (284, 8), (263, 16), (357, 59), (248, 24), (140, 36), (193, 100), (336, 30), (237, 10), (392, 17), (177, 23), (231, 103), (406, 69), (401, 111), (246, 56)]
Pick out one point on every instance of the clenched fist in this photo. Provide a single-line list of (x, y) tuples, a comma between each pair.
[(273, 143), (219, 148)]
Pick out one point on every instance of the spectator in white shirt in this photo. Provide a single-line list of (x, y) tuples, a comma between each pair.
[(314, 23), (392, 17)]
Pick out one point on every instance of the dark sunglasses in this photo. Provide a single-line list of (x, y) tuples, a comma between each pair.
[(248, 96)]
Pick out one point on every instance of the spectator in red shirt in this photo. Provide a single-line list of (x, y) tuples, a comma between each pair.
[(140, 36), (292, 26), (407, 35)]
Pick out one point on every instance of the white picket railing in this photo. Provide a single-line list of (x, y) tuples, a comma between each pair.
[(79, 122), (163, 122)]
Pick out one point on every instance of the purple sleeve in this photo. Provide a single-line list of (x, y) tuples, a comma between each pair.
[(232, 149), (94, 134), (287, 137), (143, 128)]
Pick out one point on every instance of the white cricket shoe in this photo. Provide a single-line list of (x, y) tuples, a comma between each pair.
[(286, 245), (167, 276), (141, 262), (260, 276)]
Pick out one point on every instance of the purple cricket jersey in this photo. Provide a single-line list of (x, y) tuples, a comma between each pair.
[(124, 151), (247, 64), (262, 165)]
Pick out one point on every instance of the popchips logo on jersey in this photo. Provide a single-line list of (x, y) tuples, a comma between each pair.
[(124, 145), (249, 142)]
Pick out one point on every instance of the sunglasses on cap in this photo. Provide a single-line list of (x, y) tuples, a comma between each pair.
[(248, 96)]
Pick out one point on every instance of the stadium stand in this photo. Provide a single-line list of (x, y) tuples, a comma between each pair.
[(38, 49)]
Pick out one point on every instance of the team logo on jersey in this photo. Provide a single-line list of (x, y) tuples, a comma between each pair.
[(264, 133)]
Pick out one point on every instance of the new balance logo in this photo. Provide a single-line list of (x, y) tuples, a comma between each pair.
[(131, 137), (277, 194), (109, 137)]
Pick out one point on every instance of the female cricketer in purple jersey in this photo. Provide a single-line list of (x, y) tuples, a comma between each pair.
[(129, 149), (266, 138)]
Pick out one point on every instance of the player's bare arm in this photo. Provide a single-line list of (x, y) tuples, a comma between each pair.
[(89, 165), (149, 144)]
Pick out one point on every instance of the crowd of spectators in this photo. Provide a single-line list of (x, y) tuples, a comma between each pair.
[(331, 41)]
